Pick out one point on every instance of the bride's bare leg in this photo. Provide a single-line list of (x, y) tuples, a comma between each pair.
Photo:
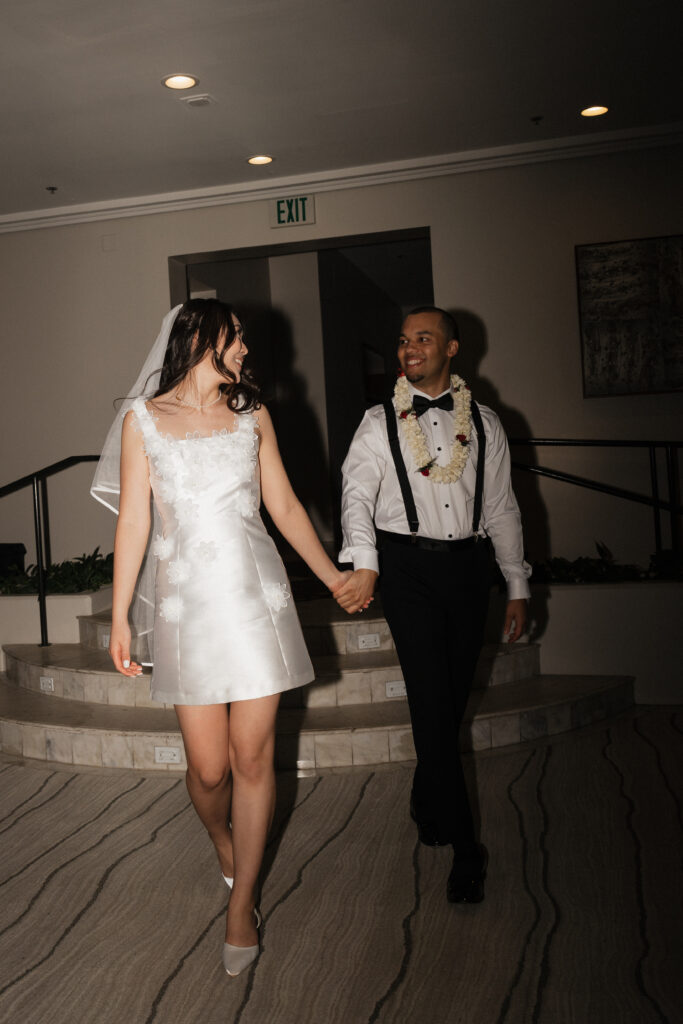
[(252, 748), (205, 730)]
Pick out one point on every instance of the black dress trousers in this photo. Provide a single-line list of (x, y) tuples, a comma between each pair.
[(435, 603)]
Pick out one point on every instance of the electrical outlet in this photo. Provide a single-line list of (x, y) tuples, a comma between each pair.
[(106, 637), (396, 688), (47, 684), (367, 641), (167, 755)]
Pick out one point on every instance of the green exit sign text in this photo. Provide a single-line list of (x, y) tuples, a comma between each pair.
[(291, 211)]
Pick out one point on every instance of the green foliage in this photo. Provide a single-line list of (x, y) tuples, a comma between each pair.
[(603, 569), (91, 572), (76, 575)]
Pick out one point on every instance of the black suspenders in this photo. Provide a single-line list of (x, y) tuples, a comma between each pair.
[(401, 472), (481, 457), (406, 490)]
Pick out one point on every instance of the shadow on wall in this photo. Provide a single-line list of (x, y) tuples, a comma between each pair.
[(473, 348), (298, 429)]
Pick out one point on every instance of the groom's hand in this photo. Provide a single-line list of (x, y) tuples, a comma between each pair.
[(357, 593), (515, 619)]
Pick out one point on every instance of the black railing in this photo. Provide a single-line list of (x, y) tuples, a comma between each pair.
[(658, 505), (41, 521), (38, 482)]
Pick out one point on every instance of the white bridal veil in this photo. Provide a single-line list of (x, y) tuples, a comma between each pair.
[(106, 488)]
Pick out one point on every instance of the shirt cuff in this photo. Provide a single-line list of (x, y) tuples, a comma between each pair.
[(518, 588), (366, 558)]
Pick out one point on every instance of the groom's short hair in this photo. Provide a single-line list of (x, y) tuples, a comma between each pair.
[(448, 321)]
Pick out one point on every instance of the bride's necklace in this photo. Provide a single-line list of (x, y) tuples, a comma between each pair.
[(462, 427), (193, 405)]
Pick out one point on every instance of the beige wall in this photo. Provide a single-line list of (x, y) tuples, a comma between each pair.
[(77, 321), (20, 617)]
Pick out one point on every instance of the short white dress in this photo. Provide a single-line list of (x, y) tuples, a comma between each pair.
[(225, 625)]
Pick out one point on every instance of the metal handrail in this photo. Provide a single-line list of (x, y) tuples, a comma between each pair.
[(38, 482), (672, 506), (559, 442), (41, 522), (43, 474)]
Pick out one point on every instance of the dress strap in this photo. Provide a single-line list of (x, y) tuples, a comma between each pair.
[(144, 419), (246, 421)]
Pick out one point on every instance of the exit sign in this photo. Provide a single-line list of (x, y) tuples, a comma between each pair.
[(292, 211)]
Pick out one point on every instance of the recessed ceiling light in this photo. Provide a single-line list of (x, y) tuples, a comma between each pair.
[(260, 159), (179, 81), (593, 111)]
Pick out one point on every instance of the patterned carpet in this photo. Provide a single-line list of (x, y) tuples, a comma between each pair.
[(111, 904)]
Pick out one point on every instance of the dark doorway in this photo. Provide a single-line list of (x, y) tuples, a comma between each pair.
[(322, 318), (364, 292)]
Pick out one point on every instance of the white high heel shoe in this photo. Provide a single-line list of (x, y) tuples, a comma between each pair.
[(237, 958)]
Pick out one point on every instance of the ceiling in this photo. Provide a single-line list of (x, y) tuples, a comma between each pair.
[(319, 84)]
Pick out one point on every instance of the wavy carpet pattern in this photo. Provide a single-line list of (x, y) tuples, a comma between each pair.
[(111, 902)]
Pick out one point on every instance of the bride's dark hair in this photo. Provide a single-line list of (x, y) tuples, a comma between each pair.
[(197, 329)]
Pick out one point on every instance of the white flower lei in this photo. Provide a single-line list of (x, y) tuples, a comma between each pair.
[(462, 427)]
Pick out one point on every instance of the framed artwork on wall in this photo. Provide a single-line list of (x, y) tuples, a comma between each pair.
[(631, 316)]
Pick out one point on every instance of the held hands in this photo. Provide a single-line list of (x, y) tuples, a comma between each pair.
[(515, 619), (119, 649), (355, 593)]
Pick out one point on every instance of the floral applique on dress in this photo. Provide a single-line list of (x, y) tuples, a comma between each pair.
[(220, 633), (276, 595)]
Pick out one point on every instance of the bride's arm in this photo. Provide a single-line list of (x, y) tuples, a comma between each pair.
[(132, 531), (286, 510)]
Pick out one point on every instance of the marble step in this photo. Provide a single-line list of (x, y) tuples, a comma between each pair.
[(314, 611), (327, 629), (81, 673), (73, 732), (369, 676)]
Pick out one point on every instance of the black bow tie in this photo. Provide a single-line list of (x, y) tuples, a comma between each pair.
[(420, 404)]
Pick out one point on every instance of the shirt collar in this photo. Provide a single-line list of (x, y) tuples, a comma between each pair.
[(416, 391)]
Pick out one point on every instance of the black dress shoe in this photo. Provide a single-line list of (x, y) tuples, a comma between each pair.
[(466, 880), (427, 831)]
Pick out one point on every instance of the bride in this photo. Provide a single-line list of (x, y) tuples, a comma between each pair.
[(194, 437)]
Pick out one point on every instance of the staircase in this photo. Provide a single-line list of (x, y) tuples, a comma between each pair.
[(64, 703)]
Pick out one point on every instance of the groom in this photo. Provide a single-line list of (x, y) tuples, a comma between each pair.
[(425, 482)]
